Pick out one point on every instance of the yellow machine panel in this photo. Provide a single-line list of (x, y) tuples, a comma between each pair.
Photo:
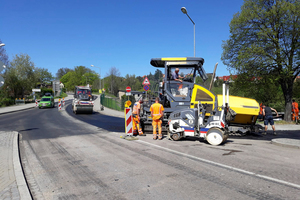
[(246, 109)]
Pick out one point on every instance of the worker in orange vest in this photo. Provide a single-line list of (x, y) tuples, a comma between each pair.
[(136, 117), (157, 111), (295, 111)]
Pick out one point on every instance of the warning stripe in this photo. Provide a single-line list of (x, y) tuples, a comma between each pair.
[(128, 121)]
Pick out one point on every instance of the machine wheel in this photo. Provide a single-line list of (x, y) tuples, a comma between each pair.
[(176, 136), (215, 136)]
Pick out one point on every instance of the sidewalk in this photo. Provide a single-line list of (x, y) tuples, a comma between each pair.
[(12, 180), (12, 184)]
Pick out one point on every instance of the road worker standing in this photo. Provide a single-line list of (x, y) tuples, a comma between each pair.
[(157, 111), (267, 113), (136, 117), (295, 111)]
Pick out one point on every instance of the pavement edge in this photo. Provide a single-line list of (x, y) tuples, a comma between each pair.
[(20, 179), (279, 142), (13, 111)]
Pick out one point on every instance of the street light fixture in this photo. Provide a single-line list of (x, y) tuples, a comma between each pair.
[(99, 75), (184, 11), (2, 44)]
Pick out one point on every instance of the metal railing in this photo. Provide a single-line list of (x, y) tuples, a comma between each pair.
[(113, 103)]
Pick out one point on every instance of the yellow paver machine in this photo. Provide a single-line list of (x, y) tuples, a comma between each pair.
[(193, 110)]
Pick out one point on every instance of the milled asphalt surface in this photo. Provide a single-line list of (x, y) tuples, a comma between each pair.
[(12, 181)]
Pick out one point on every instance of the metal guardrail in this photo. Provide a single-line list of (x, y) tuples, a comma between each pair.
[(113, 103)]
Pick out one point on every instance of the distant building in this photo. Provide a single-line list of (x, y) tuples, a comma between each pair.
[(56, 87), (136, 94)]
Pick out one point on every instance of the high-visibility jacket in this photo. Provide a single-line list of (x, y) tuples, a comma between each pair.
[(156, 111), (295, 107), (261, 109), (136, 108)]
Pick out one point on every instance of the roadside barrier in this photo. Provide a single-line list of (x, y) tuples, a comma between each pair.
[(36, 103), (19, 101), (59, 104), (63, 101), (128, 121)]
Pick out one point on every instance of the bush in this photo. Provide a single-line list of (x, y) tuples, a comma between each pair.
[(61, 96), (6, 102)]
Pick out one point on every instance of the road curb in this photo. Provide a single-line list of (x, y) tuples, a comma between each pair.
[(286, 142), (19, 175), (7, 112)]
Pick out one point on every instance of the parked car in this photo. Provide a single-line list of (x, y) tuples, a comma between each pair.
[(47, 101)]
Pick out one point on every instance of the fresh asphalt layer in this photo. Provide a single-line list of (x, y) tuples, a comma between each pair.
[(13, 186)]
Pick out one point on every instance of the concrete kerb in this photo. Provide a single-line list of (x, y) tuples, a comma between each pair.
[(19, 175), (286, 142), (12, 109)]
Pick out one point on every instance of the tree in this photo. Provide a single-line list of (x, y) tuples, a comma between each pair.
[(43, 75), (133, 82), (265, 40), (79, 76), (114, 80), (21, 74), (62, 71)]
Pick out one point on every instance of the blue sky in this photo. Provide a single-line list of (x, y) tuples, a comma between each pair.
[(124, 34)]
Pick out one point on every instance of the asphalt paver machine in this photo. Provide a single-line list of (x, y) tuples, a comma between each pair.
[(176, 96)]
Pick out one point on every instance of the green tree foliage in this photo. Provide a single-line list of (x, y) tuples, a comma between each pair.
[(43, 75), (265, 40), (79, 76), (131, 81), (20, 75)]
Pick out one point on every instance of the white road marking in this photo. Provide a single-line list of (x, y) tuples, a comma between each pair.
[(224, 166)]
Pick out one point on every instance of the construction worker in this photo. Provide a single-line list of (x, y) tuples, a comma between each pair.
[(267, 113), (157, 113), (136, 117), (295, 111)]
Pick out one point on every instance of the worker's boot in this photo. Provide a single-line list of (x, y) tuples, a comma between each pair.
[(134, 132), (154, 137), (141, 133), (159, 136)]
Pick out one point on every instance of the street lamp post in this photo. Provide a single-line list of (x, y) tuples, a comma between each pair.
[(2, 44), (99, 75), (183, 9)]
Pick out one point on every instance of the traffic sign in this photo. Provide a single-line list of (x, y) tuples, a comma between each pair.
[(146, 81), (146, 87), (128, 89)]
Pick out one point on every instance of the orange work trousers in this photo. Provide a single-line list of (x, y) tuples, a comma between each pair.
[(295, 115), (136, 125), (157, 124)]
